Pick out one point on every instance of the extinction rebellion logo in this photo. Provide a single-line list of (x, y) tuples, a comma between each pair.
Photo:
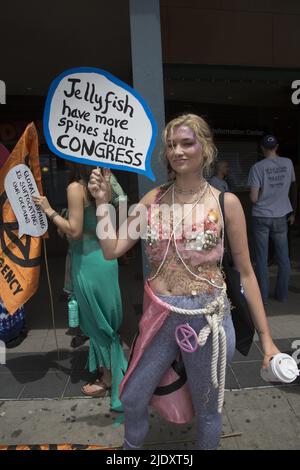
[(296, 94), (2, 92)]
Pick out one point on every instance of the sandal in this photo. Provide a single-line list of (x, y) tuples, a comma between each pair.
[(78, 341), (98, 393)]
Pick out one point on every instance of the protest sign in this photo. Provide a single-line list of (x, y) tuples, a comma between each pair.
[(94, 118), (20, 185), (20, 256)]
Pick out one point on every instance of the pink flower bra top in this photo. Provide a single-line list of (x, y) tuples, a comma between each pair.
[(195, 244)]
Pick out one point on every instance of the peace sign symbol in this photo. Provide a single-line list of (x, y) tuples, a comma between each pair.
[(7, 231), (186, 338)]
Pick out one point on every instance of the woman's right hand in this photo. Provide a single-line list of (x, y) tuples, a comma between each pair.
[(43, 203), (99, 185)]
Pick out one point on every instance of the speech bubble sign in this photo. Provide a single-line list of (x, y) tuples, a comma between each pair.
[(92, 117), (20, 185)]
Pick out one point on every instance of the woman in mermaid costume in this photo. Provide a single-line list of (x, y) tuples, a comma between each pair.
[(186, 335)]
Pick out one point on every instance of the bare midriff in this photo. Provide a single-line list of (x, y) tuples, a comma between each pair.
[(174, 279)]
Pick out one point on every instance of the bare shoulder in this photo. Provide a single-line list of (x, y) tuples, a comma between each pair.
[(76, 189), (75, 186), (231, 201), (233, 206)]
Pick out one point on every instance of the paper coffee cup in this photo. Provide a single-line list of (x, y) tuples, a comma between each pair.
[(282, 368)]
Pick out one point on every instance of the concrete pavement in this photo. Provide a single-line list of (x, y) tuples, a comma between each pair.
[(260, 418), (40, 395)]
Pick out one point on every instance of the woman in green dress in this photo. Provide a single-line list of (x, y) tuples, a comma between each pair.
[(95, 284)]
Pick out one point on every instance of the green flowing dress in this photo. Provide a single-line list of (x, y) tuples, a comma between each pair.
[(96, 288)]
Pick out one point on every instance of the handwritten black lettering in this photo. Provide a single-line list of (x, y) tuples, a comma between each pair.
[(98, 125), (73, 91), (23, 208), (75, 112), (112, 122), (122, 140), (16, 187)]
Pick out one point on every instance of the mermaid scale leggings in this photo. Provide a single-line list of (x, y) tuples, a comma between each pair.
[(157, 359)]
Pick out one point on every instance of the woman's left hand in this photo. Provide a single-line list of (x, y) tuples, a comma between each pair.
[(43, 203), (268, 354)]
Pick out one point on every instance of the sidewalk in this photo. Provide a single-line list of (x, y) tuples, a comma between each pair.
[(261, 418), (40, 399)]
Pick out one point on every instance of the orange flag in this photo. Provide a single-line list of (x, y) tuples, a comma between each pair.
[(19, 257)]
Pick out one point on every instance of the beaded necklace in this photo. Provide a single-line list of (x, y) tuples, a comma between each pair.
[(172, 236), (189, 191), (186, 202)]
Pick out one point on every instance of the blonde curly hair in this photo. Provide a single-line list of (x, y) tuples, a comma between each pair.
[(202, 132)]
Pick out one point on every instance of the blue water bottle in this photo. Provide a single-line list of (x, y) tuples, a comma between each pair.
[(73, 312)]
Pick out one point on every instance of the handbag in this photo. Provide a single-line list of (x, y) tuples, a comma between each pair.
[(241, 318)]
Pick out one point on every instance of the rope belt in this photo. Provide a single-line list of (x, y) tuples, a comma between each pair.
[(215, 328)]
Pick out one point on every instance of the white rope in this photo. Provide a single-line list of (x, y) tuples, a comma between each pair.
[(223, 352), (168, 245), (214, 326), (208, 310)]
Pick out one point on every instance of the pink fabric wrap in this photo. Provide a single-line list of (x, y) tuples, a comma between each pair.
[(176, 406)]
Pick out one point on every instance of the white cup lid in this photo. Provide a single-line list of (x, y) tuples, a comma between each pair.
[(285, 367)]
